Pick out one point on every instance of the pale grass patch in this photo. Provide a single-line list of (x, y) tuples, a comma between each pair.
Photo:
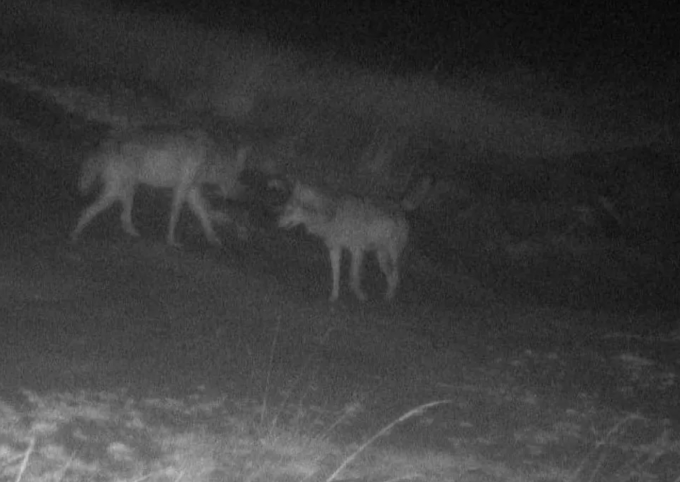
[(119, 439), (199, 438), (411, 413)]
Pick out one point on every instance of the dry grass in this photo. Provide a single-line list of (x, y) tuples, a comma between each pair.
[(109, 436)]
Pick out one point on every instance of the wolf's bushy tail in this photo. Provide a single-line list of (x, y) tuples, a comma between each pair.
[(97, 160), (89, 172)]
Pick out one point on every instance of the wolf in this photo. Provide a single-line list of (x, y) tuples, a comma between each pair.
[(178, 158), (351, 223)]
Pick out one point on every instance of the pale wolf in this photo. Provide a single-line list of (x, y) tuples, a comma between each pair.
[(160, 157), (357, 225)]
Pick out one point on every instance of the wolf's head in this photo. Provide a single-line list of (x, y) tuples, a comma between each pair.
[(305, 206), (223, 168)]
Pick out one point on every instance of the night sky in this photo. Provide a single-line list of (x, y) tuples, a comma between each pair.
[(617, 40)]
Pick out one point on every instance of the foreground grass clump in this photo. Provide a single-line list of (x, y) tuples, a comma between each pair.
[(106, 436)]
